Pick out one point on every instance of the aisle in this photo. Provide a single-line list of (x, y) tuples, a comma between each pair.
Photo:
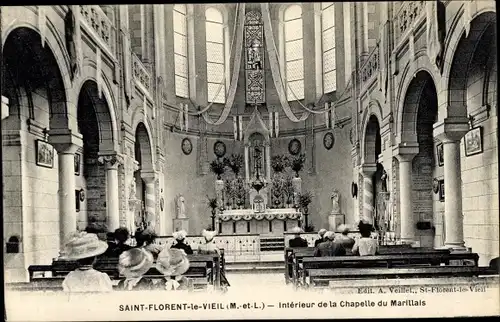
[(244, 282)]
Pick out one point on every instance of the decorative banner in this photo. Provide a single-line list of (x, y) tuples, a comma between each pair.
[(181, 117), (467, 16), (98, 71), (127, 65), (328, 117), (186, 119), (42, 24), (145, 108), (276, 123), (411, 44), (254, 67)]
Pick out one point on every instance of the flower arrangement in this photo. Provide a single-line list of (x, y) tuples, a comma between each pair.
[(297, 163), (288, 187), (235, 162), (279, 162), (212, 203), (218, 168), (305, 199)]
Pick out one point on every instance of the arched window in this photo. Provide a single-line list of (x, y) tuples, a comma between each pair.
[(215, 56), (294, 55), (328, 46), (180, 51)]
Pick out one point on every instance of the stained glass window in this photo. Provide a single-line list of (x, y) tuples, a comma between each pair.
[(180, 51), (328, 46), (215, 46), (294, 55)]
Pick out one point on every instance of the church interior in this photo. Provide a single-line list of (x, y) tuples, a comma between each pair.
[(255, 121)]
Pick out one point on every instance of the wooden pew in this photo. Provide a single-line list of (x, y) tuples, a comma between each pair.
[(385, 261), (289, 259), (322, 276)]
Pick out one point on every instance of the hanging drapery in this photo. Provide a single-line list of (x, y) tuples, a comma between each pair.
[(236, 69), (98, 76), (186, 119), (181, 116), (238, 127), (70, 33), (271, 124), (42, 24), (276, 124), (383, 56), (467, 16), (127, 65), (433, 44), (274, 65), (145, 108)]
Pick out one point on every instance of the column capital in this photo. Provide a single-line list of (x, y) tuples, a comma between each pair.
[(148, 176), (368, 169), (110, 159), (451, 129), (65, 141), (405, 151)]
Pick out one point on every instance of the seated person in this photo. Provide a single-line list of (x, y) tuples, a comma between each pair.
[(209, 246), (180, 237), (297, 241), (83, 248), (172, 263), (365, 245), (133, 264), (329, 247), (119, 245), (346, 241), (321, 239), (146, 239)]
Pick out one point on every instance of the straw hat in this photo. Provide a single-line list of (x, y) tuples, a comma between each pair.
[(330, 235), (343, 228), (321, 232), (135, 262), (296, 230), (83, 245), (172, 262), (179, 235), (208, 234)]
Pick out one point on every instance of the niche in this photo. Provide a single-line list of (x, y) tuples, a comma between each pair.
[(13, 245)]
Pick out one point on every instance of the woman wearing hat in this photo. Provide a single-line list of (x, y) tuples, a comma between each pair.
[(321, 234), (180, 236), (346, 241), (172, 263), (365, 245), (133, 264), (209, 246), (83, 248), (145, 239)]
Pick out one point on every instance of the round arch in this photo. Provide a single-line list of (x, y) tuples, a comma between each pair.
[(422, 84), (460, 52), (371, 140), (143, 151)]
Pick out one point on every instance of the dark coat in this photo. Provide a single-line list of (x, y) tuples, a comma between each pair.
[(318, 241), (329, 248), (185, 247), (115, 250), (298, 242), (145, 284)]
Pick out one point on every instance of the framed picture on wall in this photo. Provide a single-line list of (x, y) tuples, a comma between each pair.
[(44, 154), (440, 154), (77, 164), (473, 141), (441, 190)]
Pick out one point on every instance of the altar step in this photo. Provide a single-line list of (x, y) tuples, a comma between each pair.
[(274, 243), (256, 267)]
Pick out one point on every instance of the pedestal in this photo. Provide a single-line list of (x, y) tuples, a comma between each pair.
[(335, 220), (181, 224)]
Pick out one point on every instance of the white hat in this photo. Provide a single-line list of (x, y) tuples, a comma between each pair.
[(322, 232), (208, 234), (135, 262), (329, 235), (343, 228), (296, 230), (83, 245), (172, 262), (179, 235)]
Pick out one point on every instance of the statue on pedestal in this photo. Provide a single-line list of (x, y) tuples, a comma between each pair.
[(181, 207), (335, 202)]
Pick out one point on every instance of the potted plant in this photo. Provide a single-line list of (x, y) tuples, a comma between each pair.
[(309, 228), (297, 163), (212, 204), (228, 187), (305, 199), (235, 163), (218, 168), (289, 191), (279, 163)]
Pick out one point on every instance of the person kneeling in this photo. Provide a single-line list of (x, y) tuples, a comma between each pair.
[(329, 247), (84, 248)]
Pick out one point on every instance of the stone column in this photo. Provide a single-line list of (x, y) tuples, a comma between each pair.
[(405, 152), (368, 170), (149, 178), (450, 132), (112, 162), (66, 144)]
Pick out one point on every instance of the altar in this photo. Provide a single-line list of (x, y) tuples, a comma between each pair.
[(273, 222)]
